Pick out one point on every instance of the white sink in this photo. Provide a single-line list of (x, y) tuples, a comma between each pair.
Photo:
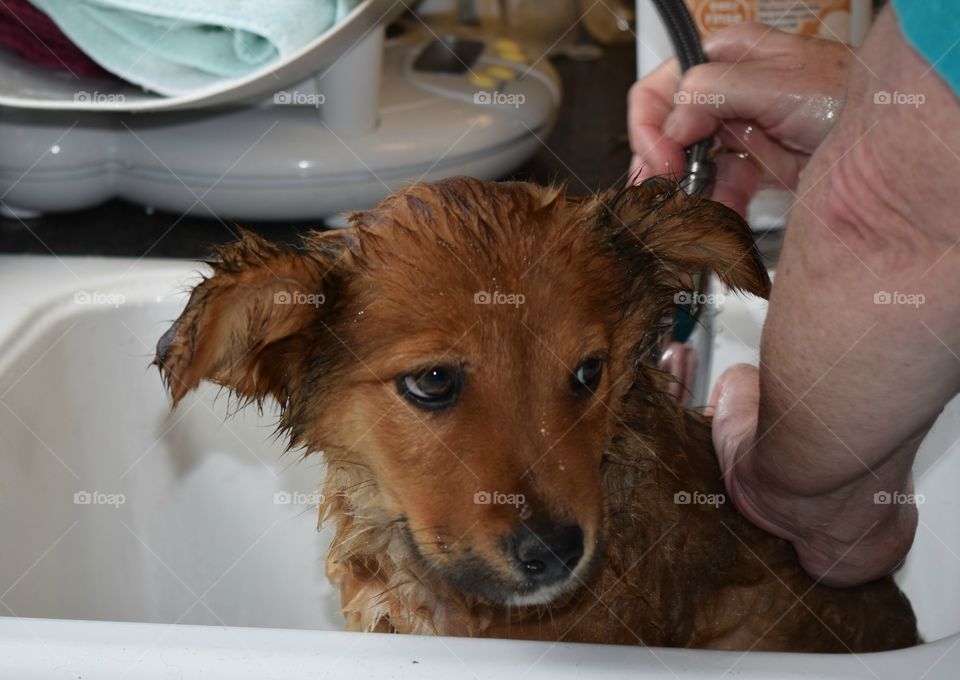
[(124, 526)]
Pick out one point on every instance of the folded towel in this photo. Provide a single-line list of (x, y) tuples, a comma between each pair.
[(177, 46)]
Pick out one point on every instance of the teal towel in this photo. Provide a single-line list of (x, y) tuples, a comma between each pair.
[(176, 46)]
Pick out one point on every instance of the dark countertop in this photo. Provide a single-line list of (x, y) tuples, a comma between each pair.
[(587, 149)]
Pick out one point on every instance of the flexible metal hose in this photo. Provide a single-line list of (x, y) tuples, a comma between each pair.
[(701, 171), (674, 14)]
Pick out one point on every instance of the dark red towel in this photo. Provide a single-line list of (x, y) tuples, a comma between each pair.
[(32, 34)]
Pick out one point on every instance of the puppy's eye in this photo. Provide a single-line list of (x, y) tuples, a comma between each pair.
[(431, 388), (586, 377)]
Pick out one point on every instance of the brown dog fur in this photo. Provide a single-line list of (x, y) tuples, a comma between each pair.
[(327, 328)]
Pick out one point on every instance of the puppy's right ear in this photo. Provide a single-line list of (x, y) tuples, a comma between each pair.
[(656, 227), (243, 326)]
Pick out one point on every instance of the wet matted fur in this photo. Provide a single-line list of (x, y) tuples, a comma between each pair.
[(512, 288)]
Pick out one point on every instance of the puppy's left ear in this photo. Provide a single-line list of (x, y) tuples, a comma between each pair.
[(245, 325), (659, 231)]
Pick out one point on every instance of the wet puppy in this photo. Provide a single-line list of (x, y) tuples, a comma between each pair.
[(475, 361)]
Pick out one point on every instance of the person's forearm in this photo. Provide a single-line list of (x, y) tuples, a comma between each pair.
[(861, 345)]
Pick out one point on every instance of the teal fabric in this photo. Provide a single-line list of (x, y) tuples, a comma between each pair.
[(178, 46), (932, 27)]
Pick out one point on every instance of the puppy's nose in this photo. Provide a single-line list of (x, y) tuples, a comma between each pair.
[(547, 553)]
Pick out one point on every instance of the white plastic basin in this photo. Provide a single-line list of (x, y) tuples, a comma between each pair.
[(141, 543)]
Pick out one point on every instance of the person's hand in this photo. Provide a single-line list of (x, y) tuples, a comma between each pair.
[(770, 94), (821, 548), (734, 405), (680, 361)]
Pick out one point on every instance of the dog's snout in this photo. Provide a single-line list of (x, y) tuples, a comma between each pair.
[(547, 554)]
